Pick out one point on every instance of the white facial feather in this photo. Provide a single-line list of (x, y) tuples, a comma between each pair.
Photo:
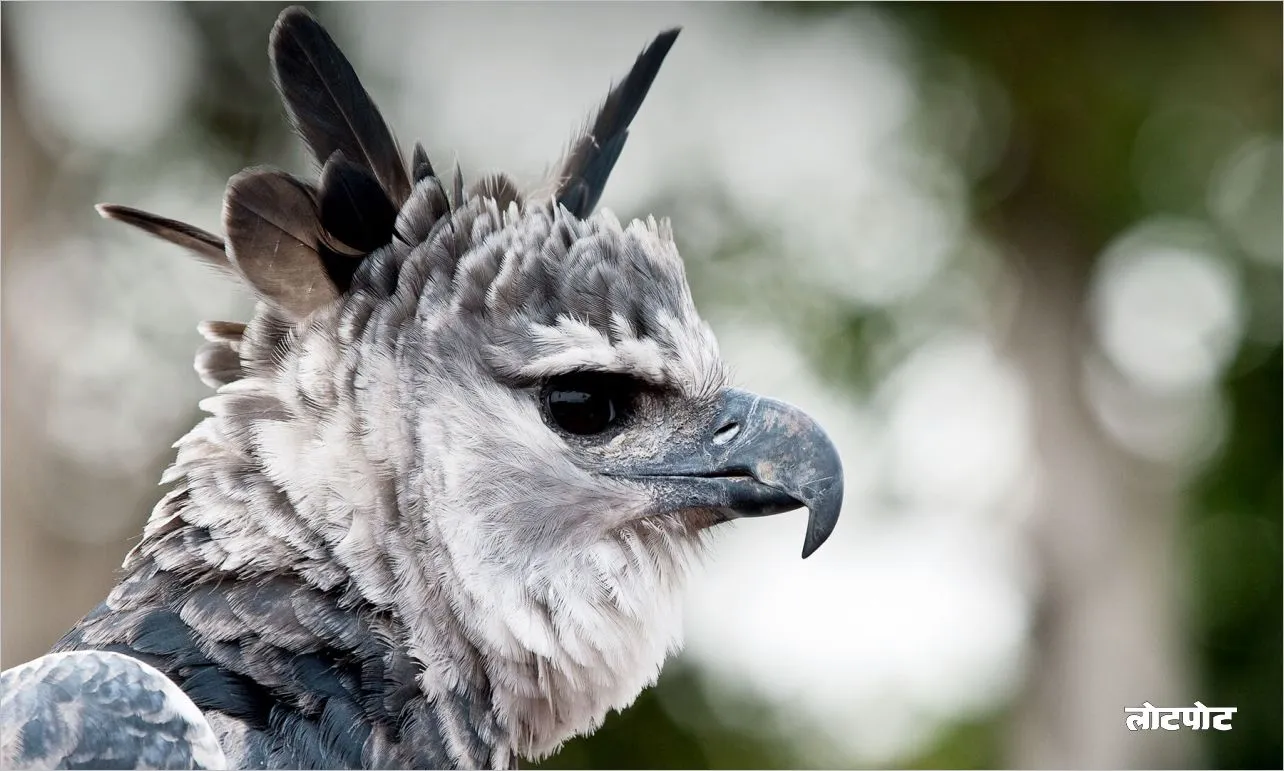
[(396, 451)]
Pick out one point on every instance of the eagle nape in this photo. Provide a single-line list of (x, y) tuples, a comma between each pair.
[(751, 457)]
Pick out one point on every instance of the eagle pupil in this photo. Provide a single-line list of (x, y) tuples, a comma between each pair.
[(585, 404)]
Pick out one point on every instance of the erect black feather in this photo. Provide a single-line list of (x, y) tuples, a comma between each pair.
[(328, 104), (354, 208), (272, 234), (340, 262), (581, 196), (420, 166), (207, 246), (592, 156)]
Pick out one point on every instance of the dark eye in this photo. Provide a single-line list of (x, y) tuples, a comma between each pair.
[(587, 403)]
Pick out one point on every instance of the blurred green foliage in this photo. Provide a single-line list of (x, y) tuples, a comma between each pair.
[(1083, 81), (1234, 548)]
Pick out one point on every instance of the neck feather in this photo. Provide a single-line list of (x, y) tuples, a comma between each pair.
[(279, 486)]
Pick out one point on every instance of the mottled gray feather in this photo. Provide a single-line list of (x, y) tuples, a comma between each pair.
[(96, 709), (376, 552), (500, 188), (427, 206), (229, 332), (217, 364)]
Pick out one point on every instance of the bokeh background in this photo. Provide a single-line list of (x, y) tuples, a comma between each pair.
[(1023, 261)]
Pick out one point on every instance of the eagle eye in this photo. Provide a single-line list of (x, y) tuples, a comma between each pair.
[(586, 403)]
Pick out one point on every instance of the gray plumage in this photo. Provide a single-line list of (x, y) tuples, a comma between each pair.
[(218, 361), (93, 709), (458, 463)]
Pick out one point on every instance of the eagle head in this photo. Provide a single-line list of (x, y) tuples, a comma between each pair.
[(498, 415)]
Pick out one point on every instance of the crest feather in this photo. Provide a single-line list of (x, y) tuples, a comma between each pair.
[(588, 165), (354, 211), (299, 244), (327, 103), (421, 167), (207, 246), (273, 229)]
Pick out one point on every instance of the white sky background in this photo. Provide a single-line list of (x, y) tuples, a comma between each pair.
[(916, 612)]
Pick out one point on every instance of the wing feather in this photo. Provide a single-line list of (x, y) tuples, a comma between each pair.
[(97, 709)]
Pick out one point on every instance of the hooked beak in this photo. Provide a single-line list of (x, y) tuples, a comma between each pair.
[(755, 457)]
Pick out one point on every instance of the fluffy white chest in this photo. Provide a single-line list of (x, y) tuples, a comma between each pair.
[(586, 641)]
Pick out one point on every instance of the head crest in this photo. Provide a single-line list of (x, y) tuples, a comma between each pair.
[(298, 243), (593, 155)]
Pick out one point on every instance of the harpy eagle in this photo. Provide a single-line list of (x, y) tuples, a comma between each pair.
[(457, 465)]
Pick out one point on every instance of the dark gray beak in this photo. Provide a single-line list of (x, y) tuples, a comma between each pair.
[(756, 457)]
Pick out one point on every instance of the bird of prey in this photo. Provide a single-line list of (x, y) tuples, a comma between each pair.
[(457, 465)]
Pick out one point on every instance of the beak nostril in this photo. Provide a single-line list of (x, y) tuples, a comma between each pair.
[(726, 433)]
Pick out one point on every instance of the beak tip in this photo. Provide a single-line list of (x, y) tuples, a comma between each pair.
[(818, 531), (822, 514)]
